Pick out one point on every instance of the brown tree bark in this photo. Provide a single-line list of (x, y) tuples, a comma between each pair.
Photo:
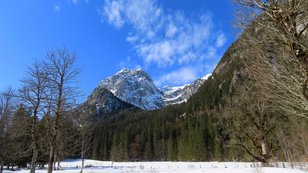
[(1, 167), (31, 94), (288, 21), (51, 158), (34, 159), (61, 75)]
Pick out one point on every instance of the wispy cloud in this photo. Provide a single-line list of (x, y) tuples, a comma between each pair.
[(56, 8), (129, 63), (113, 11), (178, 77), (221, 40), (165, 38), (75, 2)]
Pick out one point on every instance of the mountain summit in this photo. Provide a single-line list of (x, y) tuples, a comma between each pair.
[(180, 94), (135, 87)]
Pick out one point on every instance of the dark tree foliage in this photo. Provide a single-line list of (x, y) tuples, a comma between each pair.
[(168, 134)]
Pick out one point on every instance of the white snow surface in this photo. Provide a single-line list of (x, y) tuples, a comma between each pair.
[(206, 76), (135, 87), (94, 166), (180, 94)]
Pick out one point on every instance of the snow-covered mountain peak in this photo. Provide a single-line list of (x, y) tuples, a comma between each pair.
[(124, 70), (180, 94), (206, 76), (169, 89), (135, 87), (133, 73)]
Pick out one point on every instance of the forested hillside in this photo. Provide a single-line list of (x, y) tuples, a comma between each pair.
[(253, 107)]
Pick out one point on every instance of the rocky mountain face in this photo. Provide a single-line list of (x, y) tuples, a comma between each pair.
[(135, 87), (180, 94), (102, 101), (209, 114)]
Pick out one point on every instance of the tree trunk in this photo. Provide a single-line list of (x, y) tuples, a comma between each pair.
[(304, 145), (58, 165), (34, 158), (265, 154), (82, 154), (1, 167), (82, 165), (55, 161), (51, 158), (54, 164)]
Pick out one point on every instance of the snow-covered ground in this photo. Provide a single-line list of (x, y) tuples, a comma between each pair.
[(93, 166)]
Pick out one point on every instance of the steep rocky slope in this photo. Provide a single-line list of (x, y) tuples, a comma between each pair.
[(102, 101), (180, 94), (135, 87)]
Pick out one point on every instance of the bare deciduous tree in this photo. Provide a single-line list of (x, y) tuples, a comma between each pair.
[(85, 127), (62, 74), (251, 124), (272, 89), (6, 111), (267, 61), (20, 137), (288, 20), (32, 95)]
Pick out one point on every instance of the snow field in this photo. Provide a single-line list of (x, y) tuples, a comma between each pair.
[(94, 166)]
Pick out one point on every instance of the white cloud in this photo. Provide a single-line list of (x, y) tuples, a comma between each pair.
[(162, 37), (56, 8), (178, 77), (171, 30), (221, 40), (188, 57), (166, 38), (75, 2), (132, 39), (129, 63), (160, 53), (211, 53), (113, 10), (142, 14)]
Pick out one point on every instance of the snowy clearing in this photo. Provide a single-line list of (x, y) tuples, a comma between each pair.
[(94, 166)]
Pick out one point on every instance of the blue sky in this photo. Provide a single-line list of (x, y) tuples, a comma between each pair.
[(175, 41)]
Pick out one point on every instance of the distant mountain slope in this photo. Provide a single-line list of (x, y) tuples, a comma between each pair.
[(180, 94), (102, 101), (214, 122), (135, 87)]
